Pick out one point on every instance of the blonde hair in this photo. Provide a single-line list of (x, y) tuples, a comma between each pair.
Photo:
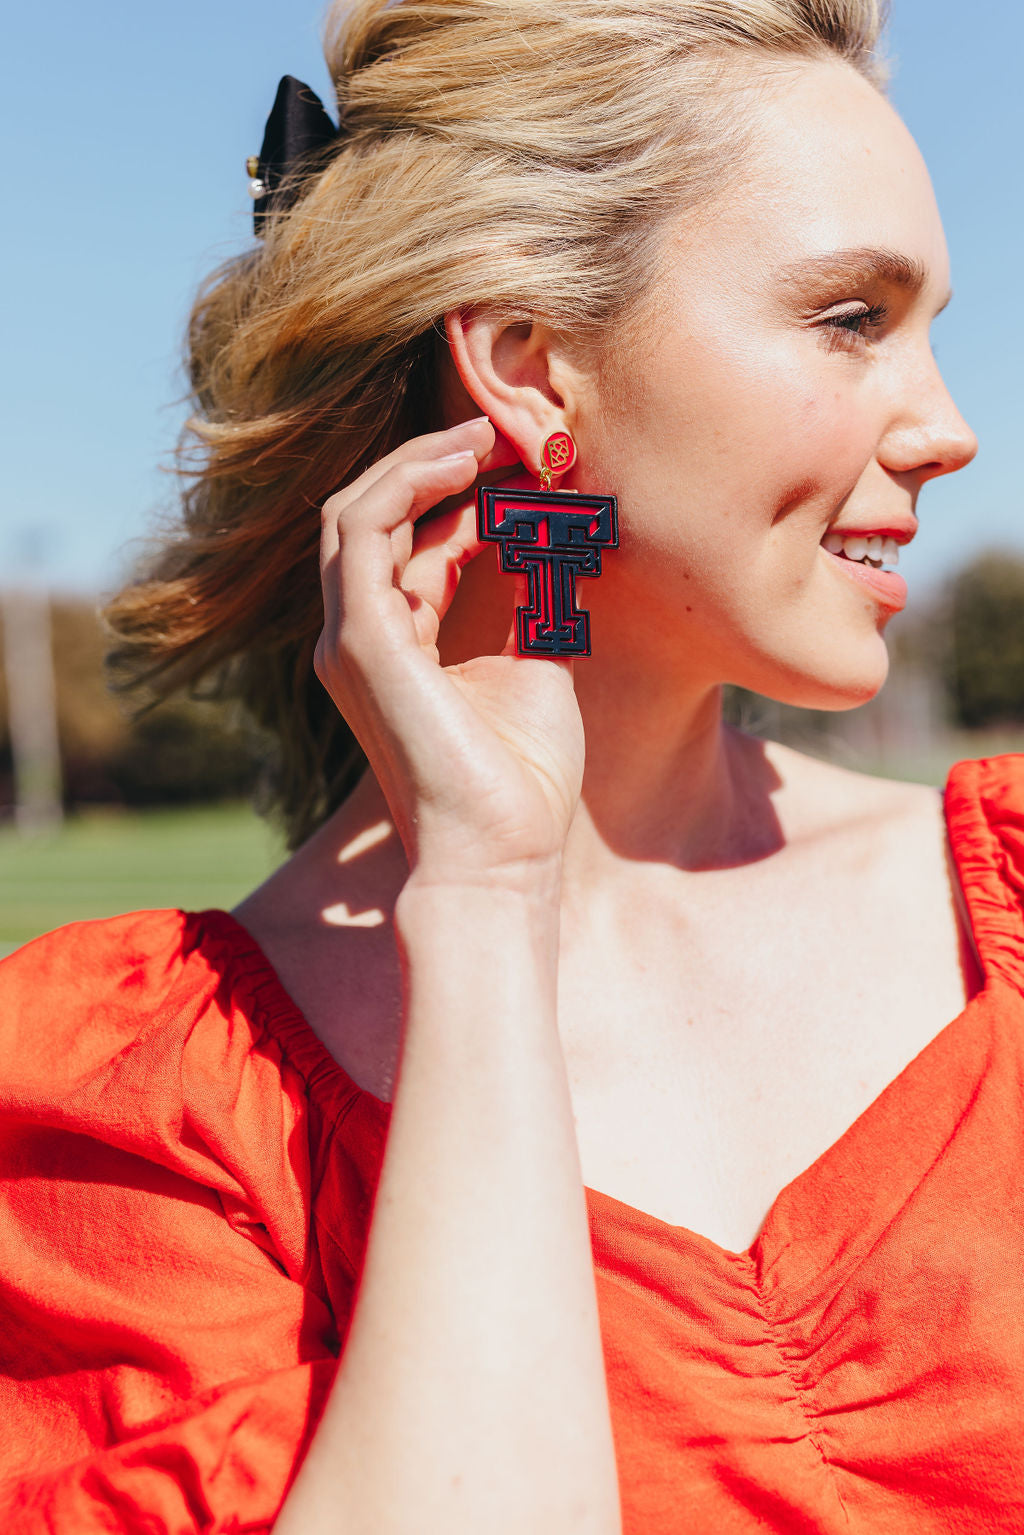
[(507, 153)]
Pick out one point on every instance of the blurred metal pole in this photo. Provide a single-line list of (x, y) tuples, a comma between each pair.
[(32, 711)]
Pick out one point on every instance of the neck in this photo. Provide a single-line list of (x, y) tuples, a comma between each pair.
[(666, 780)]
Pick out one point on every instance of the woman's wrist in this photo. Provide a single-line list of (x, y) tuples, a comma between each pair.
[(468, 935), (434, 883)]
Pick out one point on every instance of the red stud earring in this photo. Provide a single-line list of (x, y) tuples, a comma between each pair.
[(557, 456), (552, 536)]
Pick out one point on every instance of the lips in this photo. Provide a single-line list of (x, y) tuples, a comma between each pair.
[(898, 530), (885, 586)]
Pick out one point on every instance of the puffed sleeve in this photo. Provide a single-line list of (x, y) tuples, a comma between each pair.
[(166, 1340), (985, 810)]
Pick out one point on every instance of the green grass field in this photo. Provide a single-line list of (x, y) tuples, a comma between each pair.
[(107, 862), (103, 863)]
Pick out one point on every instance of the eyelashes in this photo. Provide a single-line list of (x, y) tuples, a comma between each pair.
[(850, 330)]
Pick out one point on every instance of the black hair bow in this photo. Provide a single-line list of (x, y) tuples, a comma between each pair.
[(297, 128)]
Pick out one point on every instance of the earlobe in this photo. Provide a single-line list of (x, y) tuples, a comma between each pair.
[(506, 370)]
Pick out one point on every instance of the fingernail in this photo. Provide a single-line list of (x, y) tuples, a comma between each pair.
[(450, 458), (474, 421)]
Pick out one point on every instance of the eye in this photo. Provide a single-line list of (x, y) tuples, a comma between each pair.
[(853, 325)]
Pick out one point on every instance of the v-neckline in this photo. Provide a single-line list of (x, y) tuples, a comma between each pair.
[(759, 1252), (329, 1076), (757, 1255)]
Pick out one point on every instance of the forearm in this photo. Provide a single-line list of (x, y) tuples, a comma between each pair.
[(471, 1394)]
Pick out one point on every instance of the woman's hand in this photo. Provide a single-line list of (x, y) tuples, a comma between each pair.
[(481, 763), (471, 1393)]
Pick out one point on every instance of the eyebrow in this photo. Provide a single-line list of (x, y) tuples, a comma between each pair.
[(860, 262)]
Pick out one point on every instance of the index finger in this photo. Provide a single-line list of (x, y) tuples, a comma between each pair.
[(467, 434)]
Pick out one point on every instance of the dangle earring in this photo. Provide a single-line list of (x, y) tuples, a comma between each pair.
[(551, 536)]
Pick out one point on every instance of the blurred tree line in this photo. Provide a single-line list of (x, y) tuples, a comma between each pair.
[(183, 751), (958, 663), (984, 650)]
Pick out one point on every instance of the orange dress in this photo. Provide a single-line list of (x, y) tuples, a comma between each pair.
[(187, 1178)]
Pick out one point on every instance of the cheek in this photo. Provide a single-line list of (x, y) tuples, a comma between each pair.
[(788, 434), (729, 463), (826, 436), (742, 428)]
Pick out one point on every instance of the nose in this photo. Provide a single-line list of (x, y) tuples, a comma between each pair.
[(929, 436)]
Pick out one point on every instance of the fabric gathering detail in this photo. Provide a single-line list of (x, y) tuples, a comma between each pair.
[(187, 1177)]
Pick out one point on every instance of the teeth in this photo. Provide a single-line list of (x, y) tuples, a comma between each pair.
[(856, 546)]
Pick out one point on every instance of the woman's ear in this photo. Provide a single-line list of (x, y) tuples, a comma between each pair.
[(517, 374)]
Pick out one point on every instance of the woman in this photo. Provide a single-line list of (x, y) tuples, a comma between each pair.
[(693, 972)]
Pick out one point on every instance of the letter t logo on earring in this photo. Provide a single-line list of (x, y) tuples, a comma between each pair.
[(551, 536)]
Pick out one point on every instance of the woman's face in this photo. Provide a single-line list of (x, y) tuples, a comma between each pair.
[(778, 389)]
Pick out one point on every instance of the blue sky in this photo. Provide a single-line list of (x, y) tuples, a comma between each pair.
[(131, 124)]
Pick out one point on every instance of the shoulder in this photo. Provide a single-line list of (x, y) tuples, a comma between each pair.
[(909, 830), (991, 787), (114, 972), (985, 812), (164, 1296), (165, 1039), (110, 945), (161, 1003), (324, 920), (822, 802), (990, 782)]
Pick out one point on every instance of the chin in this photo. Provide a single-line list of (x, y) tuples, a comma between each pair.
[(836, 678)]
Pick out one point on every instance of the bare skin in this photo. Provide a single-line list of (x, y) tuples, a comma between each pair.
[(736, 1020), (750, 944)]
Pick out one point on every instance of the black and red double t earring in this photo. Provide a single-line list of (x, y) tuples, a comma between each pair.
[(552, 536)]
